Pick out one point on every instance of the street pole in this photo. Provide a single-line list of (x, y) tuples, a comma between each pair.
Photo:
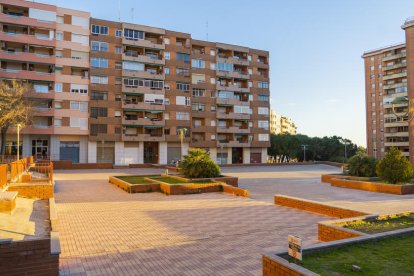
[(182, 132), (18, 141), (304, 152), (345, 152)]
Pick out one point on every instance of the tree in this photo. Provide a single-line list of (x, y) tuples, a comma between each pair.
[(362, 165), (395, 167), (198, 164), (15, 108)]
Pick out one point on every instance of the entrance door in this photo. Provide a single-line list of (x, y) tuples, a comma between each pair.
[(150, 152), (69, 151), (237, 155), (40, 149)]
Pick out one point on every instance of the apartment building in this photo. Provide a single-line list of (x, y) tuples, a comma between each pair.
[(48, 47), (281, 124), (122, 93)]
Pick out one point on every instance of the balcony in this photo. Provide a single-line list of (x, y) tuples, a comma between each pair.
[(397, 144), (142, 74), (394, 56), (234, 88), (233, 144), (233, 74), (40, 95), (396, 124), (233, 129), (233, 60), (394, 76), (232, 115), (24, 74), (394, 85), (143, 137), (143, 43), (143, 59), (396, 134), (27, 57), (28, 39), (142, 90), (224, 101), (143, 122), (142, 106), (26, 21), (395, 66), (38, 129), (43, 111)]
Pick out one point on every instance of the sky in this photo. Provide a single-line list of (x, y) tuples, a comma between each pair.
[(316, 69)]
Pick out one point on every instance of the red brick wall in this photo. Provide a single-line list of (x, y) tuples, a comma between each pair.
[(28, 258), (373, 186), (316, 207), (274, 268), (68, 165), (331, 233), (235, 191)]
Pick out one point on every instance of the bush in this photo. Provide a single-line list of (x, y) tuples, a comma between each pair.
[(362, 165), (198, 164), (395, 168)]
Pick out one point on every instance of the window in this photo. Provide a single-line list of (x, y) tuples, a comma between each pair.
[(198, 78), (197, 92), (212, 66), (59, 19), (212, 123), (183, 57), (212, 52), (167, 55), (41, 88), (57, 122), (79, 88), (183, 86), (58, 54), (97, 30), (182, 71), (263, 84), (58, 87), (222, 66), (99, 112), (82, 39), (166, 41), (118, 65), (166, 71), (117, 113), (182, 116), (118, 33), (264, 137), (225, 94), (264, 124), (250, 71), (59, 36), (99, 79), (99, 96), (187, 101), (263, 98), (117, 130), (198, 107), (213, 108), (118, 97), (153, 84), (212, 80), (82, 106), (263, 111), (372, 68), (99, 62), (58, 105), (118, 50), (133, 66), (133, 34), (98, 46), (98, 128), (198, 63), (242, 109)]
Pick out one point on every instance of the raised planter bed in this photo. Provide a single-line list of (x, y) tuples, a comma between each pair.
[(369, 184), (337, 257)]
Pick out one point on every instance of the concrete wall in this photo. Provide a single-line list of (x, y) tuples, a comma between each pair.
[(246, 155), (91, 152), (163, 153)]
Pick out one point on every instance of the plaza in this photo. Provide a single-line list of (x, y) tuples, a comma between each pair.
[(105, 231)]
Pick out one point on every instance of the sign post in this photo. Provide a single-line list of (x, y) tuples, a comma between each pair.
[(295, 247)]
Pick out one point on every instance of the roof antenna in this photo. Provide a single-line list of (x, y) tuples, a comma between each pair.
[(132, 15), (119, 10), (207, 30)]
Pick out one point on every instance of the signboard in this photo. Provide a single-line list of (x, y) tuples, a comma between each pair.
[(295, 247)]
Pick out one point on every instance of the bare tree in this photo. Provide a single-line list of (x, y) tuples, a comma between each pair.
[(15, 108)]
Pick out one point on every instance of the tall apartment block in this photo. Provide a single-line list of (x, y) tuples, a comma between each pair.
[(389, 77), (121, 93)]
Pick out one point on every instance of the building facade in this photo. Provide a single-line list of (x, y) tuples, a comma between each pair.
[(280, 124), (121, 93), (389, 86)]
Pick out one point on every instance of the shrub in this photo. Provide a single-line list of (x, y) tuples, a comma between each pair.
[(198, 164), (362, 165), (395, 168)]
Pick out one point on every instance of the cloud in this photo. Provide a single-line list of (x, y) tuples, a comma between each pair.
[(292, 104)]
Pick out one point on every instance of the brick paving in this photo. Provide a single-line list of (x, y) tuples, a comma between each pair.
[(106, 231)]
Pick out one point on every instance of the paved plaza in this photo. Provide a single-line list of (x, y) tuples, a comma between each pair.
[(106, 231)]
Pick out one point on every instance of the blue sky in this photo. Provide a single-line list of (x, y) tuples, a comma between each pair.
[(315, 47)]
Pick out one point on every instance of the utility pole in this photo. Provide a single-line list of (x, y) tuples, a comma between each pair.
[(304, 152)]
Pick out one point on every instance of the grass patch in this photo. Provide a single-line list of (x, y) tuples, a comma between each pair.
[(391, 256), (136, 179), (382, 224), (169, 180)]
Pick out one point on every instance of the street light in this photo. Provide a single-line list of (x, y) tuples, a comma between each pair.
[(182, 132), (304, 152), (18, 141)]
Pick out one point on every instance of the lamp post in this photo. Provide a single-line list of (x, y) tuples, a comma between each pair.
[(18, 141), (182, 132), (304, 152)]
